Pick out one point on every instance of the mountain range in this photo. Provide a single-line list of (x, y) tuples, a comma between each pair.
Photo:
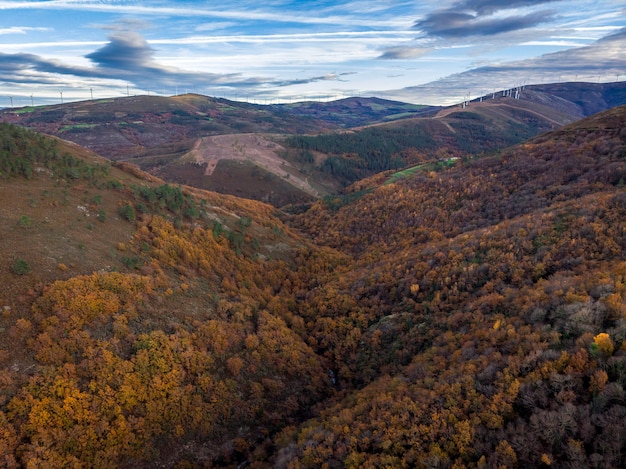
[(454, 294), (251, 150)]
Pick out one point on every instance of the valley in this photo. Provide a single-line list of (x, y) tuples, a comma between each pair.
[(190, 282)]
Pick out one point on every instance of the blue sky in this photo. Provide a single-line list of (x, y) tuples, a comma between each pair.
[(426, 52)]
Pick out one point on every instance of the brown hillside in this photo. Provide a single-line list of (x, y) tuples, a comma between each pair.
[(485, 308), (464, 314)]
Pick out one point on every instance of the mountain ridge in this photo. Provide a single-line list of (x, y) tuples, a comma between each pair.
[(160, 134)]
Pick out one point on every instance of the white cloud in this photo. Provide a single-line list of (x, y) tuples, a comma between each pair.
[(20, 30)]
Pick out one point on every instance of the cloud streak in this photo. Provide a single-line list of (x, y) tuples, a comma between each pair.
[(481, 18), (456, 25), (604, 58)]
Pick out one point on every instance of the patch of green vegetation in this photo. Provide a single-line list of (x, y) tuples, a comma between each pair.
[(401, 115), (127, 212), (75, 127), (24, 221), (27, 109), (354, 156), (22, 149), (405, 173), (20, 267), (132, 262), (466, 115), (167, 197), (377, 107)]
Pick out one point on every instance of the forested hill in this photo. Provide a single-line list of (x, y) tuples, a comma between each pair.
[(461, 315), (482, 321)]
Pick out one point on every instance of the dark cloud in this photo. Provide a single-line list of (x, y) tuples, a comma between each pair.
[(475, 18), (30, 68), (126, 51), (127, 56), (488, 7), (450, 24)]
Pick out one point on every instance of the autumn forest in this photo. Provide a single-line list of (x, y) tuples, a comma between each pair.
[(468, 310)]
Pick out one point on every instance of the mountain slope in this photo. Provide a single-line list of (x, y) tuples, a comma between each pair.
[(483, 319), (483, 125), (142, 323), (457, 315), (355, 112), (175, 138), (140, 126)]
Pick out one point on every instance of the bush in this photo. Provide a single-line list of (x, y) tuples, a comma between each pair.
[(20, 267), (24, 221), (127, 212)]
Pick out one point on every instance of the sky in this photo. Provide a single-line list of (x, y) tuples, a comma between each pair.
[(435, 52)]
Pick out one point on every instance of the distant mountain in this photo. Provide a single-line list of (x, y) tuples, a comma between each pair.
[(580, 99), (354, 112), (483, 125), (148, 126), (296, 153)]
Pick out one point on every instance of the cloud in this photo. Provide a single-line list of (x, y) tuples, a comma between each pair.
[(126, 51), (20, 30), (479, 18), (603, 60), (404, 52), (456, 25), (128, 57), (304, 81), (488, 7), (30, 68)]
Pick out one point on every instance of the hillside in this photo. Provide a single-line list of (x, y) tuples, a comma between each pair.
[(141, 322), (356, 112), (482, 321), (292, 154), (483, 126), (469, 314)]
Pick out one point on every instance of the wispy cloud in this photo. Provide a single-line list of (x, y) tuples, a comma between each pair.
[(404, 52), (603, 59), (129, 58), (303, 81), (20, 30), (192, 9), (457, 24)]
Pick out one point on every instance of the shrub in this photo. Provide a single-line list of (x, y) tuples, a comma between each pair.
[(24, 221), (20, 267), (127, 212)]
